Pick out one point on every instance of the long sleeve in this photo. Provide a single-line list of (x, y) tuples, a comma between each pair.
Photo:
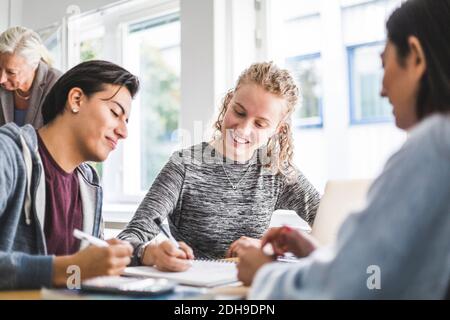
[(397, 247), (300, 196), (7, 181), (160, 201), (18, 270), (24, 271)]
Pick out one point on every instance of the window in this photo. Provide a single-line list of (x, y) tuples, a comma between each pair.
[(365, 76), (52, 39), (332, 47), (89, 46), (143, 37), (90, 49), (364, 45), (307, 72), (153, 52), (295, 43)]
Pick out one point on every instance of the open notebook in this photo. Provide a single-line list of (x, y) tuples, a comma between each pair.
[(203, 273)]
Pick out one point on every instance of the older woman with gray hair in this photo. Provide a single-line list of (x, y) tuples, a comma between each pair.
[(26, 76)]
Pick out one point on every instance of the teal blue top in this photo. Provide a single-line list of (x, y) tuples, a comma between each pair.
[(19, 116)]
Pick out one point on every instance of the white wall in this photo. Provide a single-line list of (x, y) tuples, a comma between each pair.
[(4, 15), (197, 66), (10, 13), (217, 43), (42, 13)]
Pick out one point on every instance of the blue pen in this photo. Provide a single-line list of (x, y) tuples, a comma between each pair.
[(167, 233)]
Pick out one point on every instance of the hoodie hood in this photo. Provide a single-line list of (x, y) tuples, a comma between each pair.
[(26, 140)]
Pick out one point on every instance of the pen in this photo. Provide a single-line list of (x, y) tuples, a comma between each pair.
[(91, 239), (168, 235)]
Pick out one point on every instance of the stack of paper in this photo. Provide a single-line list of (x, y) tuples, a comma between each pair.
[(203, 273)]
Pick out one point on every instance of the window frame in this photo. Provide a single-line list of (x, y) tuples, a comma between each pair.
[(117, 24), (52, 38), (162, 18), (345, 4), (351, 85), (320, 123)]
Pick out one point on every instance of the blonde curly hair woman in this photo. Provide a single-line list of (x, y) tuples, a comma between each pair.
[(220, 195)]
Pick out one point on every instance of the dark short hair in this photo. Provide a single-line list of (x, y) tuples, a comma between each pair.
[(429, 21), (91, 77)]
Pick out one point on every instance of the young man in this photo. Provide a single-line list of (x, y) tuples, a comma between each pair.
[(46, 188)]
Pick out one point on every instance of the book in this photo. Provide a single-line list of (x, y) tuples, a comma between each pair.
[(202, 273)]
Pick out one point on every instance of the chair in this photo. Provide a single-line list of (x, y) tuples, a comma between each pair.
[(341, 197)]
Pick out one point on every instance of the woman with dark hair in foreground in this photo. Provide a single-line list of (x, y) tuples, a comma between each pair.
[(398, 247)]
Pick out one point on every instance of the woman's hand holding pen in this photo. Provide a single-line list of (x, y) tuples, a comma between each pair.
[(167, 257), (285, 239)]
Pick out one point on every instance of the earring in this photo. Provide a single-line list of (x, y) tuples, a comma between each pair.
[(75, 110)]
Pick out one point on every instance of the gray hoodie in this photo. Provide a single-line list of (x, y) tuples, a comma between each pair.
[(24, 262), (398, 247)]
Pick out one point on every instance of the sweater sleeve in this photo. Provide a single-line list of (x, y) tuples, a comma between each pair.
[(301, 196), (24, 271), (160, 201), (7, 181), (397, 247), (17, 270)]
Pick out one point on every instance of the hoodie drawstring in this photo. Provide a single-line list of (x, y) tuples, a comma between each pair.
[(28, 165)]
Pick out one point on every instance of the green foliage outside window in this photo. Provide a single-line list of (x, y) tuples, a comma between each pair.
[(160, 100)]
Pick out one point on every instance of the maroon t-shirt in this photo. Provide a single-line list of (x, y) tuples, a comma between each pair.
[(63, 207)]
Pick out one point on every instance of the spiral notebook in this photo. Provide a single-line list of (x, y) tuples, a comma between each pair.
[(202, 273)]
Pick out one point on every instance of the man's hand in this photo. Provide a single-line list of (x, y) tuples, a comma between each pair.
[(94, 261)]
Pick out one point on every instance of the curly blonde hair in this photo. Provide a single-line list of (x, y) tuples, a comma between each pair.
[(280, 147)]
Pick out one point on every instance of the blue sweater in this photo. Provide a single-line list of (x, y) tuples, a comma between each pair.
[(398, 247), (24, 262)]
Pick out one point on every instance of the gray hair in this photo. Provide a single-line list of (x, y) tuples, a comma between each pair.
[(26, 43)]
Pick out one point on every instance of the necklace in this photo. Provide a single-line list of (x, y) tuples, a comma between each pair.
[(22, 96), (234, 186)]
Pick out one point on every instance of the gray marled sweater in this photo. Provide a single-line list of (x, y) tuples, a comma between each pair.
[(204, 210)]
